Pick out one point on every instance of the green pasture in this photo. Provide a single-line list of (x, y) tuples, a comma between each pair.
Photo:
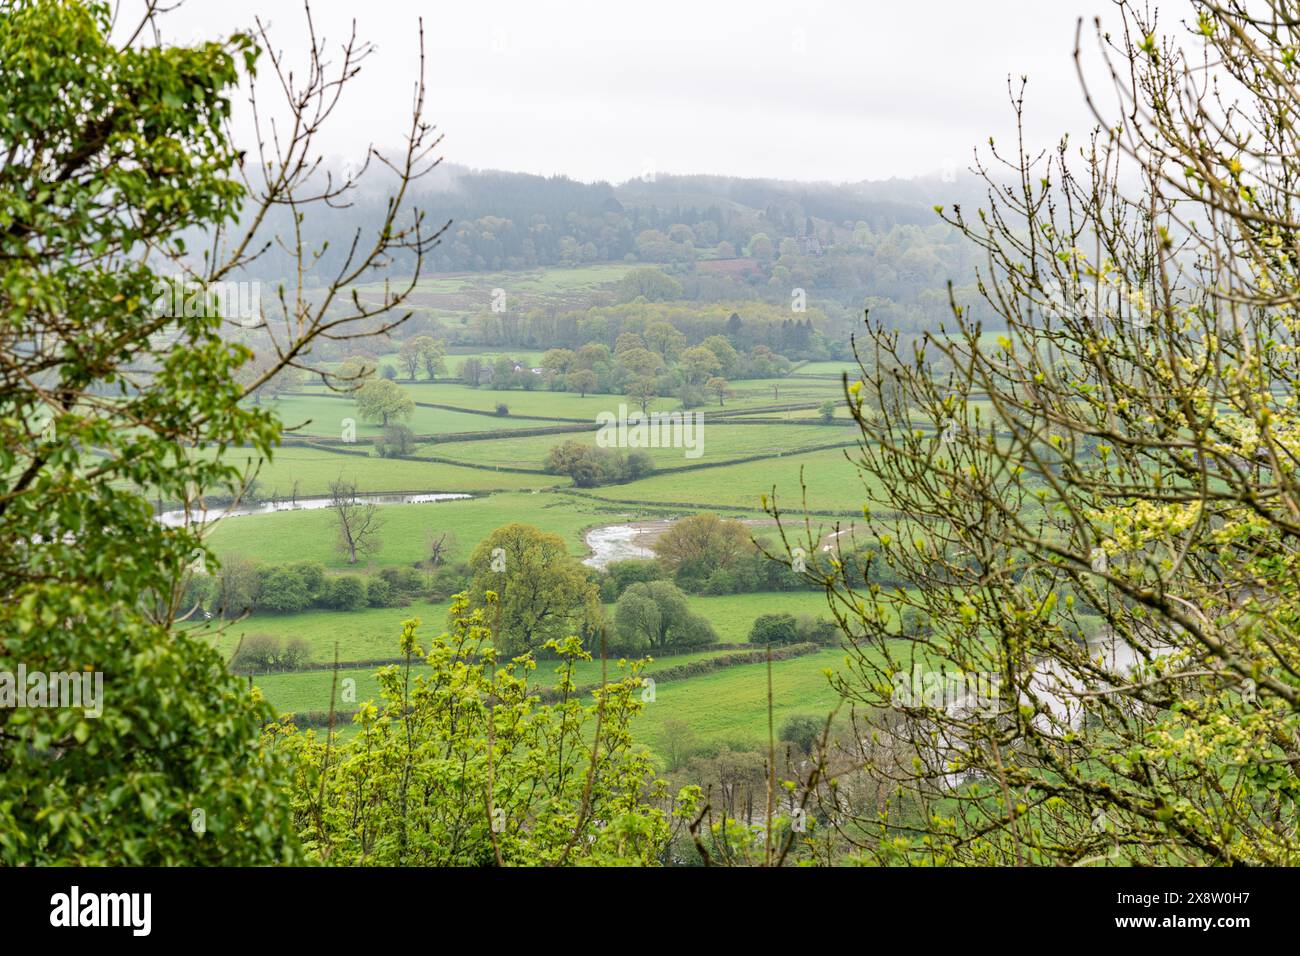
[(406, 530)]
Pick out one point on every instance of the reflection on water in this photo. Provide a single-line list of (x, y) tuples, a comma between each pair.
[(196, 515), (619, 542)]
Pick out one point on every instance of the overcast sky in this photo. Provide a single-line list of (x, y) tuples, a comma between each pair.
[(839, 90)]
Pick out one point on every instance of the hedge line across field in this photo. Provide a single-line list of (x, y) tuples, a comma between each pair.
[(319, 718)]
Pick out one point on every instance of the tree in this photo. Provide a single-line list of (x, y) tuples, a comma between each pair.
[(704, 540), (581, 381), (542, 592), (562, 783), (117, 167), (641, 362), (802, 731), (559, 361), (441, 544), (651, 284), (642, 391), (237, 589), (719, 387), (355, 370), (698, 363), (723, 352), (660, 337), (654, 615), (432, 354), (383, 400), (470, 372), (1102, 557), (826, 412), (397, 440), (411, 355), (359, 521)]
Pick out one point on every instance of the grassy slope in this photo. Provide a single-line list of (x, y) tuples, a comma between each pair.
[(406, 531), (833, 484), (310, 690), (720, 441), (315, 468)]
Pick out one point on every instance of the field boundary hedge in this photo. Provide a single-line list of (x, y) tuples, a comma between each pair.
[(547, 695)]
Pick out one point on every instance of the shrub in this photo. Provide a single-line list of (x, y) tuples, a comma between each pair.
[(817, 630), (449, 579), (257, 652), (283, 590), (313, 577), (396, 440), (774, 629), (405, 580), (347, 593), (620, 575), (802, 732), (296, 653), (721, 581), (379, 593), (502, 410)]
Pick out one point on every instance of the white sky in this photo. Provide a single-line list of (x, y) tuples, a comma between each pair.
[(816, 90)]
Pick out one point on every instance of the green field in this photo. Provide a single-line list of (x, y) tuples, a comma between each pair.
[(310, 690), (406, 531), (322, 413), (720, 441), (834, 484), (730, 706), (372, 634), (313, 469)]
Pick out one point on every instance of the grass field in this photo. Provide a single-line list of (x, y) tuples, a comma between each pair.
[(730, 705), (315, 468), (373, 634), (834, 484), (720, 441), (310, 690), (406, 531), (322, 413)]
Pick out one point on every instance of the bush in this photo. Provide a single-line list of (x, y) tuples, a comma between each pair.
[(502, 410), (406, 580), (817, 630), (379, 593), (313, 577), (721, 581), (257, 652), (449, 579), (620, 575), (802, 732), (774, 629), (296, 653), (283, 590), (347, 593), (396, 440)]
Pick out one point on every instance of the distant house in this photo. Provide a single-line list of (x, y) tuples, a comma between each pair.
[(809, 245)]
